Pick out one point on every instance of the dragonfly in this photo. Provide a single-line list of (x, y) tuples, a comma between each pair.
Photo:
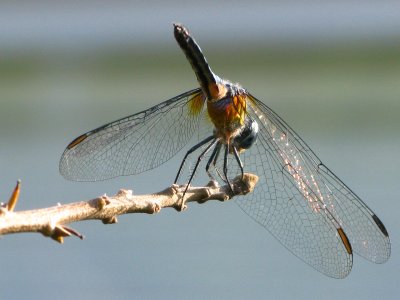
[(303, 204)]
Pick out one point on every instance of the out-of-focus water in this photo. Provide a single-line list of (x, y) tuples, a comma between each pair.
[(343, 101), (346, 109)]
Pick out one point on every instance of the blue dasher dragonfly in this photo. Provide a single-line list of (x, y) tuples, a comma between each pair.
[(306, 207)]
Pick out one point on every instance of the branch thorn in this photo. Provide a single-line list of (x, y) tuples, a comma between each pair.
[(14, 197), (61, 231)]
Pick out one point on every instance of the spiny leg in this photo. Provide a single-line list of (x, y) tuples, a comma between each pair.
[(199, 159), (213, 158), (191, 150), (214, 163), (235, 152), (225, 168)]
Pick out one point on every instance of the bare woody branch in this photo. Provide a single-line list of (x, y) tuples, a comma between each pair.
[(52, 221)]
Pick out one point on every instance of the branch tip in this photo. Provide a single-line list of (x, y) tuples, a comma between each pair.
[(244, 185)]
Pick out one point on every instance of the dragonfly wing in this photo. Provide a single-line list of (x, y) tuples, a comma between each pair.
[(299, 225), (365, 230), (136, 143), (304, 205)]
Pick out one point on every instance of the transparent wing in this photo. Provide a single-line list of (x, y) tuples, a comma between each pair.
[(304, 205), (136, 143)]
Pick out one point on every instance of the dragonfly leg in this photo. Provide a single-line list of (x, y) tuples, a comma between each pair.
[(191, 150), (213, 160), (225, 168), (235, 152), (214, 163), (199, 159)]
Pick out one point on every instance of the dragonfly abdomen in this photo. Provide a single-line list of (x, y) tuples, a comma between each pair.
[(210, 83)]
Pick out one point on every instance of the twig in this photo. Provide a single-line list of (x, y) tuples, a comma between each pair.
[(52, 221)]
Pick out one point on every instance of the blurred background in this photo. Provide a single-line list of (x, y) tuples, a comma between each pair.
[(331, 69)]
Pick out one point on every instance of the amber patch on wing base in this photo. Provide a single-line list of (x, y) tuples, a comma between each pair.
[(196, 104)]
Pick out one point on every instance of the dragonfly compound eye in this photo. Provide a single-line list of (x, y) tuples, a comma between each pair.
[(248, 136)]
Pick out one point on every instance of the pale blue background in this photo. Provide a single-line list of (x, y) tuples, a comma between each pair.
[(331, 70)]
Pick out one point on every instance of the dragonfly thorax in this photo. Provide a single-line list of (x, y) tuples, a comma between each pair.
[(228, 113)]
